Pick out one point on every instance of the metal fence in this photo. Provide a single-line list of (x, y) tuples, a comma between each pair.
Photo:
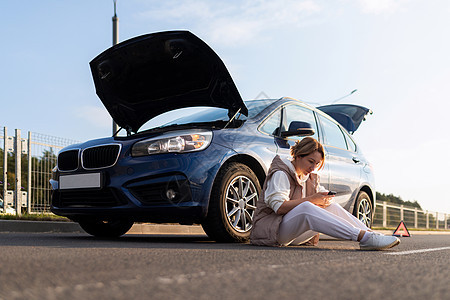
[(390, 215), (26, 165)]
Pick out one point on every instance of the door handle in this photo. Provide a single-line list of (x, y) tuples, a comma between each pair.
[(355, 160)]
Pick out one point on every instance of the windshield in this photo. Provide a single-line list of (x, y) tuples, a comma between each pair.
[(203, 115)]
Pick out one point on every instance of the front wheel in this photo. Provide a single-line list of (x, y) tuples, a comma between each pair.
[(363, 209), (106, 228), (232, 204)]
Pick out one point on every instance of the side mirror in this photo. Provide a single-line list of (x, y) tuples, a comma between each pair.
[(298, 128)]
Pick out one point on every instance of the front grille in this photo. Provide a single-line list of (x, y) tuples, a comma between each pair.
[(100, 198), (100, 157), (68, 160)]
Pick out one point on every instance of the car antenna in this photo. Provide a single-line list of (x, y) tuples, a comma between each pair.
[(232, 118)]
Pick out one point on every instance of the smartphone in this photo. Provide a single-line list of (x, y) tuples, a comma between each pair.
[(331, 193)]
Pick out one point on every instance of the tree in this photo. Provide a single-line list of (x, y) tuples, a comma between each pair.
[(397, 200)]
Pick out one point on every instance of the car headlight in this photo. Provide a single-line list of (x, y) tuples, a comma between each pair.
[(181, 141)]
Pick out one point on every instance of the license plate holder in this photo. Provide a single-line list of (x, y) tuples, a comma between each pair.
[(81, 181)]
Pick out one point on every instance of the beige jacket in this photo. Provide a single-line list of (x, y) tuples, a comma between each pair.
[(266, 222)]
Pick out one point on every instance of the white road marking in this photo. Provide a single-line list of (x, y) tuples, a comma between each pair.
[(418, 251)]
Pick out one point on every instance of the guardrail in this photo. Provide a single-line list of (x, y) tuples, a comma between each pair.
[(390, 215)]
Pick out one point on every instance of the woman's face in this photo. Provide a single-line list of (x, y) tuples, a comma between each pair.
[(307, 164)]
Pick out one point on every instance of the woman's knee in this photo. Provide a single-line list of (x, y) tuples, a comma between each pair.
[(306, 204), (300, 211), (306, 207), (334, 207)]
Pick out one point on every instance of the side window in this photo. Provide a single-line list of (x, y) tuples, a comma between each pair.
[(272, 124), (299, 113), (350, 144), (333, 134)]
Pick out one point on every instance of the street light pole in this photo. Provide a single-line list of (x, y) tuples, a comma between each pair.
[(115, 38), (339, 99), (334, 101)]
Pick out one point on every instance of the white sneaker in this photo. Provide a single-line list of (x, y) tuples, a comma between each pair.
[(379, 242)]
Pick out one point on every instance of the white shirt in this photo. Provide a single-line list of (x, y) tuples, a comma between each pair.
[(278, 188)]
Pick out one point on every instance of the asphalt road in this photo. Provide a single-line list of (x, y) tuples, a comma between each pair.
[(77, 266)]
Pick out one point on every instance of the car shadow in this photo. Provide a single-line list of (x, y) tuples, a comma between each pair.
[(191, 241), (154, 241)]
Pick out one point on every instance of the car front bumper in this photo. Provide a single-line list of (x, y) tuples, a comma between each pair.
[(158, 188)]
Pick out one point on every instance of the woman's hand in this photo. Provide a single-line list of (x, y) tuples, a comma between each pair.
[(321, 199)]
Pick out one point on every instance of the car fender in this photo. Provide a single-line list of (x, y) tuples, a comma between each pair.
[(369, 189)]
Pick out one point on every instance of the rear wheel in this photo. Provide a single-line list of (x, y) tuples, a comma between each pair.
[(232, 204), (106, 228), (363, 209)]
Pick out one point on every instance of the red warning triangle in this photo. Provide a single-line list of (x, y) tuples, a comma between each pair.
[(401, 230)]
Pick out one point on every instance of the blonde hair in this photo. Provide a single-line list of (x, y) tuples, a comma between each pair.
[(307, 146)]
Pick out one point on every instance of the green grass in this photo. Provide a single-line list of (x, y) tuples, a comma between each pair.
[(34, 217)]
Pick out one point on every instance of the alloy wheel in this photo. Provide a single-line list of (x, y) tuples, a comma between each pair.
[(240, 205), (365, 212)]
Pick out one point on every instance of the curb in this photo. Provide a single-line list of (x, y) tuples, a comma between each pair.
[(39, 226), (166, 229), (73, 227)]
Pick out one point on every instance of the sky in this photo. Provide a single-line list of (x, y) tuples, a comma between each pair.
[(396, 53)]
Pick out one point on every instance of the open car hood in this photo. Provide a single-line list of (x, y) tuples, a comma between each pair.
[(148, 75), (348, 115)]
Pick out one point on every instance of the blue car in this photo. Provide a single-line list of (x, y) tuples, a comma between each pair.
[(206, 160)]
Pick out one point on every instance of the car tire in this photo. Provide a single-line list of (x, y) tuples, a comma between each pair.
[(363, 209), (106, 228), (232, 204)]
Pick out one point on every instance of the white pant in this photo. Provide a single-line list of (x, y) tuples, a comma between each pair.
[(306, 220)]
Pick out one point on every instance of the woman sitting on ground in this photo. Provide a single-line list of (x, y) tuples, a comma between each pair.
[(294, 208)]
